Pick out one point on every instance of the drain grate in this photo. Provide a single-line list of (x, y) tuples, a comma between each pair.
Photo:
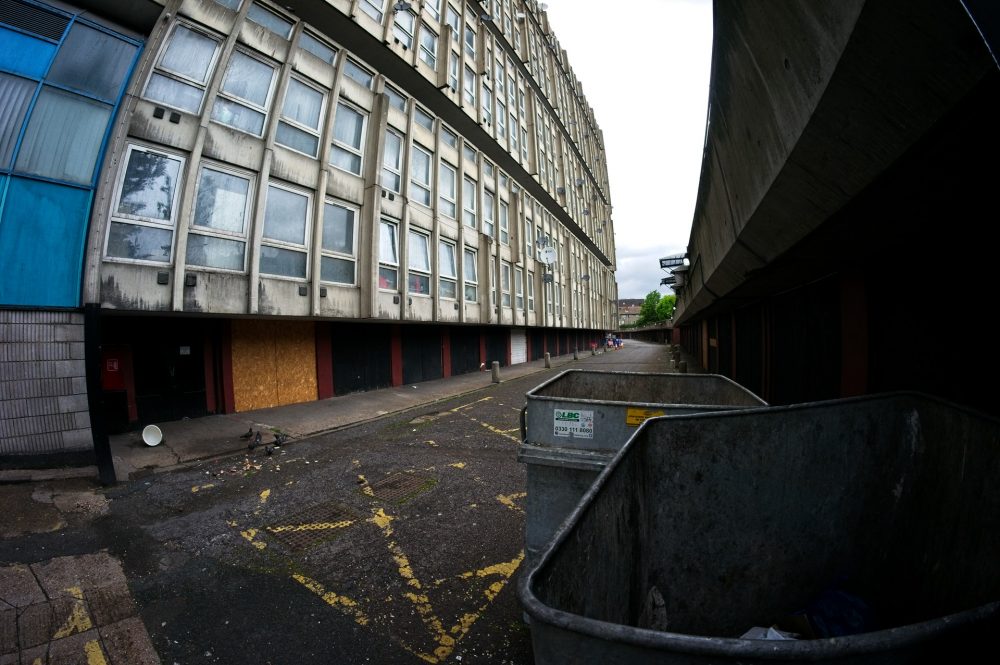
[(400, 486), (312, 526)]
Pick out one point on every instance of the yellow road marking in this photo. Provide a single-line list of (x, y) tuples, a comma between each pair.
[(95, 656), (332, 599), (78, 620), (264, 496), (365, 487), (458, 465), (508, 500), (250, 534), (198, 488), (314, 526), (466, 406)]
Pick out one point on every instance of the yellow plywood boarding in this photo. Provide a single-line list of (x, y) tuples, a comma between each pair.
[(274, 363)]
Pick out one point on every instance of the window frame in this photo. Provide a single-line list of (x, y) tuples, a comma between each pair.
[(450, 278), (268, 10), (505, 277), (428, 54), (322, 43), (385, 264), (503, 221), (519, 288), (467, 282), (305, 247), (316, 132), (242, 236), (335, 144), (530, 290), (403, 34), (240, 101), (424, 188), (422, 273), (339, 255), (392, 171), (489, 213), (373, 7), (470, 86), (469, 208), (159, 69), (352, 66), (448, 205)]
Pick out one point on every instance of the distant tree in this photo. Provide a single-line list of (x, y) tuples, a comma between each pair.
[(665, 308), (647, 311)]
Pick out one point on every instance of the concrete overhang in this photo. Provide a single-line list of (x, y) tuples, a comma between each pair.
[(810, 102)]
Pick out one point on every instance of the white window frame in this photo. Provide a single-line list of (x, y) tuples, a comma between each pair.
[(320, 44), (143, 221), (447, 273), (240, 101), (241, 236), (351, 65), (504, 222), (280, 17), (284, 244), (423, 118), (470, 86), (375, 9), (454, 19), (161, 70), (417, 270), (392, 170), (428, 47), (433, 8), (403, 25), (470, 282), (453, 59), (447, 203), (419, 186), (529, 244), (487, 105), (295, 124), (342, 256), (531, 291), (359, 151), (489, 213), (519, 288), (470, 36), (384, 263), (469, 203), (505, 284)]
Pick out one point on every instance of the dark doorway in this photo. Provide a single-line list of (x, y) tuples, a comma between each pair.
[(552, 346), (422, 351), (362, 358), (464, 350), (496, 346), (537, 344)]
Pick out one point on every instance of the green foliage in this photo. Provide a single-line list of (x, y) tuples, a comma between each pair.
[(655, 308)]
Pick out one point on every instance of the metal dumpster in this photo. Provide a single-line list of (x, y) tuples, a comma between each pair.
[(573, 424), (707, 525)]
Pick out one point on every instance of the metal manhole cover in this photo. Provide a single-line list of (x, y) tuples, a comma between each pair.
[(400, 487), (312, 526)]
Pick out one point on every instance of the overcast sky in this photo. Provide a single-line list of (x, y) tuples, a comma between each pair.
[(644, 66)]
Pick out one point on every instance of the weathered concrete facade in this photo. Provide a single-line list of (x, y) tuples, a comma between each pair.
[(849, 152), (322, 164)]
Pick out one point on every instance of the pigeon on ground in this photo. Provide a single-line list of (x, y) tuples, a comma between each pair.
[(246, 437)]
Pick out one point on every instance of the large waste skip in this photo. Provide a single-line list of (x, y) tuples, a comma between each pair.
[(574, 424), (707, 525)]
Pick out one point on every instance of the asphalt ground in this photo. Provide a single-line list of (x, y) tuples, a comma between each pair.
[(395, 541)]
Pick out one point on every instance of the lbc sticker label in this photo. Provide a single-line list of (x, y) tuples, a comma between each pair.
[(574, 423)]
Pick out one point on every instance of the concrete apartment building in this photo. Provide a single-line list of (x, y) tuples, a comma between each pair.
[(842, 241), (211, 206)]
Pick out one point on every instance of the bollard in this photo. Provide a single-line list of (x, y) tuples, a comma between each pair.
[(593, 350), (548, 361), (576, 354), (682, 366), (496, 371)]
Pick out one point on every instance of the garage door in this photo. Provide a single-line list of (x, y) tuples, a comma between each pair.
[(518, 347)]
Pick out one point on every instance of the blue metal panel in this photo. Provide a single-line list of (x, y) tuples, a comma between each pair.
[(23, 54), (42, 236)]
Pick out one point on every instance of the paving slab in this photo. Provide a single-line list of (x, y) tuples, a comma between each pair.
[(127, 643)]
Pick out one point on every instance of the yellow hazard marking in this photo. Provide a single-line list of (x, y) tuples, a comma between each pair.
[(250, 534), (634, 416), (314, 526), (432, 444), (508, 500), (466, 406), (365, 487), (382, 521), (231, 523), (198, 488), (265, 495), (37, 661), (332, 599), (78, 620), (458, 465), (95, 656)]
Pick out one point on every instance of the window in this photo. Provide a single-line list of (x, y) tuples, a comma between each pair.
[(504, 181), (318, 48), (453, 71), (488, 168), (392, 162), (471, 279), (219, 222), (428, 46), (487, 104), (423, 118), (528, 242), (433, 8), (388, 256), (531, 291), (504, 224), (142, 221), (469, 153), (513, 133), (353, 70), (447, 284), (455, 21), (447, 183), (245, 94), (402, 28), (505, 283), (348, 139), (449, 137), (183, 69), (284, 244), (419, 264), (524, 145), (469, 202), (373, 8), (338, 252), (488, 214), (298, 128), (420, 175), (265, 18), (501, 119), (469, 87), (519, 288), (231, 4), (470, 36), (396, 99)]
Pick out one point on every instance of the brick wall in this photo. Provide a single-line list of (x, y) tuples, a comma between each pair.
[(43, 386)]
